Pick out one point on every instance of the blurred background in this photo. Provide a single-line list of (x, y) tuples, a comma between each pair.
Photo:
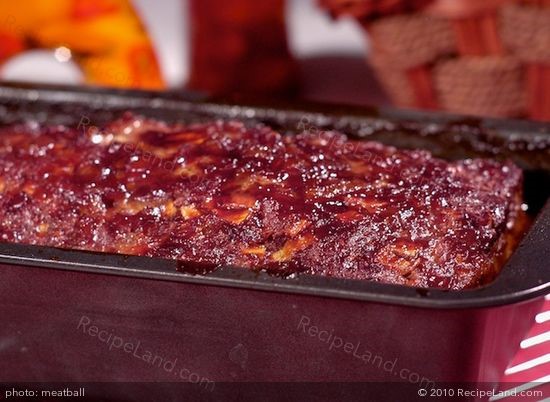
[(488, 57)]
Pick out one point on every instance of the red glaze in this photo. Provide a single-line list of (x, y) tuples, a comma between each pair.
[(223, 194)]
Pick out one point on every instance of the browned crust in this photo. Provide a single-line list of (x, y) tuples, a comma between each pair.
[(222, 193), (504, 248)]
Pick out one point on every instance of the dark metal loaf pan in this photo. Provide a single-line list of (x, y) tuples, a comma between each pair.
[(58, 308)]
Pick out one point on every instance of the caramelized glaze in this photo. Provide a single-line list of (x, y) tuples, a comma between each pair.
[(223, 193)]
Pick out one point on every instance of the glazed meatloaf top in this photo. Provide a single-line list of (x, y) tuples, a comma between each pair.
[(225, 193)]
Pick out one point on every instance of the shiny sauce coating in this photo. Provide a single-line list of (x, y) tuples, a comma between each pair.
[(225, 193)]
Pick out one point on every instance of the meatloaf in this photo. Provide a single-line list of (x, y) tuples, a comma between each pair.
[(227, 193)]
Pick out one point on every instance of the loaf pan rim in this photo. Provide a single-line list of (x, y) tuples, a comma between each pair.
[(500, 292)]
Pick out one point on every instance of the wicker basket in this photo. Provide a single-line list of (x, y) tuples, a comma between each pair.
[(489, 57)]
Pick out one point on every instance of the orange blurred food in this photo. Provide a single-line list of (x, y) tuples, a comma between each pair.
[(106, 38)]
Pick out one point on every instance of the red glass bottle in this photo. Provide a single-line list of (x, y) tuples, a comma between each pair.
[(240, 46)]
